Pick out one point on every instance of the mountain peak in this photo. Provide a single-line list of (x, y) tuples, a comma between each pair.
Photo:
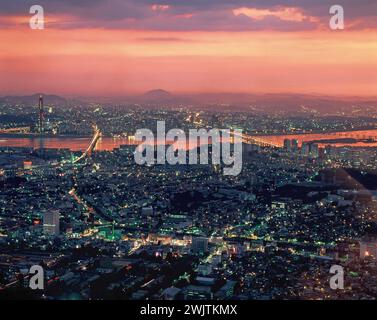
[(158, 93)]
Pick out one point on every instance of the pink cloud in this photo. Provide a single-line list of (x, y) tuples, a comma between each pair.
[(285, 14), (160, 7)]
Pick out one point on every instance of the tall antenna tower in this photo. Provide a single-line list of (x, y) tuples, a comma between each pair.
[(41, 115)]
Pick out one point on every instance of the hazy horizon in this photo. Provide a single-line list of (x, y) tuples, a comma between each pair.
[(188, 94)]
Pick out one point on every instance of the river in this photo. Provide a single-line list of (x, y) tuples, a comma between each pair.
[(364, 138)]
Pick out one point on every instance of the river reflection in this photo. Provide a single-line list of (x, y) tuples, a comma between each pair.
[(364, 138)]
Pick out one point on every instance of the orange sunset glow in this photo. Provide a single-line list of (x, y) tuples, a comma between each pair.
[(79, 55)]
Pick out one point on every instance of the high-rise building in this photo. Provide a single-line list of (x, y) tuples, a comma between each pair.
[(294, 145), (51, 224), (314, 150), (199, 244), (287, 145), (41, 115), (305, 149)]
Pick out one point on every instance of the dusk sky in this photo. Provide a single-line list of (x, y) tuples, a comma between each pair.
[(119, 47)]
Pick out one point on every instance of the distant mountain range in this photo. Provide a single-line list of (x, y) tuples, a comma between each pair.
[(284, 102), (33, 99), (274, 102), (158, 94)]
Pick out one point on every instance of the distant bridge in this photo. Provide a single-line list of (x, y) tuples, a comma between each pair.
[(258, 141), (92, 145)]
